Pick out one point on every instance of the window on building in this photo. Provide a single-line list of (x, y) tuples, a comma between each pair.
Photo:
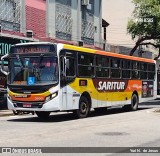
[(10, 15)]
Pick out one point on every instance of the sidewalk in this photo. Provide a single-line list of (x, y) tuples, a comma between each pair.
[(5, 113)]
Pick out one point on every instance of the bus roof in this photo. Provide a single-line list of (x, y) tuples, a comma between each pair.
[(33, 43), (106, 53), (93, 51)]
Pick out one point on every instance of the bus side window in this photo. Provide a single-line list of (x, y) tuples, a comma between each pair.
[(102, 66), (70, 67), (143, 72), (115, 68), (126, 69), (86, 65), (67, 70), (151, 71), (135, 70)]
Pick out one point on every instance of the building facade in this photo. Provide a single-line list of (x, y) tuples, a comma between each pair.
[(75, 20), (69, 21)]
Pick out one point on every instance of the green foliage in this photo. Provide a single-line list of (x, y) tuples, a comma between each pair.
[(145, 19)]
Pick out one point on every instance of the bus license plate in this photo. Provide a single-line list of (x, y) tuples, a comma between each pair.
[(27, 105)]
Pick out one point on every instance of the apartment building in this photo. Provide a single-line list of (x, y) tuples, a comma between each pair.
[(77, 22)]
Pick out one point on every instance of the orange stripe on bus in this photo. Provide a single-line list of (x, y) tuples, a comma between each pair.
[(29, 97), (32, 98)]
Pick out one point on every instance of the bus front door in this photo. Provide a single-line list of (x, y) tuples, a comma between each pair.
[(67, 77)]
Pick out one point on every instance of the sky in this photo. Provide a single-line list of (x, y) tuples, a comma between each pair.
[(117, 13)]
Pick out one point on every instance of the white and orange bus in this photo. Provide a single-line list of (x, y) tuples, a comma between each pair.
[(47, 77)]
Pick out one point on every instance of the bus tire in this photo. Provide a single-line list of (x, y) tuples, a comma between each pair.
[(84, 108), (42, 115), (134, 104), (16, 112)]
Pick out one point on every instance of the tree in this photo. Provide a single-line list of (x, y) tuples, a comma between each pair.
[(145, 23)]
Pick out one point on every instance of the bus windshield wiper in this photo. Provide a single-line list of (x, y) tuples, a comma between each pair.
[(37, 69), (20, 61), (40, 61)]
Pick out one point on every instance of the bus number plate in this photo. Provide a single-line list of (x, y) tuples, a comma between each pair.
[(27, 105)]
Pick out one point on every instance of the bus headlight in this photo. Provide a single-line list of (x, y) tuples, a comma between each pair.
[(53, 95), (50, 97)]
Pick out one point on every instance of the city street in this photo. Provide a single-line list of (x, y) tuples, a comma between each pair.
[(116, 128), (75, 55)]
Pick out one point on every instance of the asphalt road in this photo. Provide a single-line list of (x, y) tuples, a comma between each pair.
[(116, 128)]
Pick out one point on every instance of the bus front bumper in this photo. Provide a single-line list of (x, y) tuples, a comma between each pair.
[(28, 106)]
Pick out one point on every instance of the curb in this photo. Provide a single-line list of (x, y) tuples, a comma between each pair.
[(5, 113), (156, 110)]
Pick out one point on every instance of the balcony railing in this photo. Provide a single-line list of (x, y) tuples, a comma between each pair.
[(10, 13), (63, 21)]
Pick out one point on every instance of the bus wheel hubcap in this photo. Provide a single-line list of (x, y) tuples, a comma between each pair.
[(83, 107)]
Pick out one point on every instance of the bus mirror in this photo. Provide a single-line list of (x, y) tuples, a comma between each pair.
[(4, 69)]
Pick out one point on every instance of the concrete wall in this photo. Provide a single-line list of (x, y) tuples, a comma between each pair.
[(50, 18), (76, 16), (98, 23)]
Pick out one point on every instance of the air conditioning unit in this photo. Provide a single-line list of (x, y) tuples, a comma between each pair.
[(29, 33), (85, 2)]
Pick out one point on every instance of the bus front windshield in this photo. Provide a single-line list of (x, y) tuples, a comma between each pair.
[(33, 70)]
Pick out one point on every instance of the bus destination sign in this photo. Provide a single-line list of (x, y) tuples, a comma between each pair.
[(32, 49)]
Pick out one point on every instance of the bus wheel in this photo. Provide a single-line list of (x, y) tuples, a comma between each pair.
[(84, 108), (134, 104), (43, 115)]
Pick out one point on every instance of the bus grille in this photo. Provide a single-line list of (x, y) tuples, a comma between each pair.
[(33, 105)]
